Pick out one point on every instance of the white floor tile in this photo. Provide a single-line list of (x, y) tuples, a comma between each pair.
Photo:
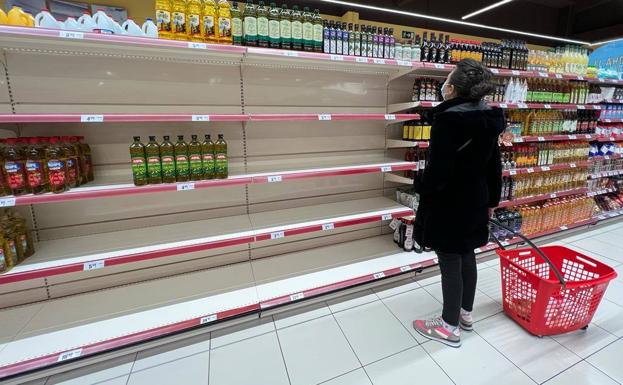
[(430, 280), (172, 351), (316, 351), (394, 288), (476, 363), (115, 381), (407, 368), (582, 373), (619, 270), (191, 370), (615, 292), (241, 332), (352, 300), (412, 305), (599, 248), (484, 306), (586, 342), (255, 361), (374, 332), (95, 373), (356, 377), (490, 283), (524, 349), (608, 360), (609, 316), (300, 315)]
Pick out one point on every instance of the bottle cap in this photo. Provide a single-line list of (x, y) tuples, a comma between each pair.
[(180, 137), (53, 139), (137, 138), (166, 137), (194, 137)]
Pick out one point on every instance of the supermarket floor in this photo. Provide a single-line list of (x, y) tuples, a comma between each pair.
[(367, 339)]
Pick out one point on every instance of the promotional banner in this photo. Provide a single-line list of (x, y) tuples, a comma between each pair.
[(608, 59)]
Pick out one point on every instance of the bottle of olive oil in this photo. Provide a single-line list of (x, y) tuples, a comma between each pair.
[(297, 29), (262, 25), (250, 24), (221, 162), (195, 160), (207, 155), (209, 21), (308, 30), (318, 31), (236, 24), (224, 22), (167, 158), (178, 19), (154, 165), (274, 26), (139, 165), (182, 165), (285, 30), (193, 20), (163, 18)]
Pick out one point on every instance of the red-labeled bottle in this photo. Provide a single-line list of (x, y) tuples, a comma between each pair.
[(88, 160), (15, 168), (36, 168), (4, 184), (57, 166), (84, 177), (73, 171)]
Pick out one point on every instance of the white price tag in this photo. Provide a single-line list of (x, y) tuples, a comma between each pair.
[(572, 137), (552, 196), (515, 72), (587, 136), (324, 117), (503, 105), (518, 140), (91, 118), (379, 61), (547, 106), (608, 120), (328, 226), (386, 169), (394, 224), (275, 178), (612, 215), (601, 217), (563, 228), (541, 139), (197, 45), (69, 355), (602, 80), (505, 243), (580, 77), (611, 138), (596, 107), (439, 65), (530, 170), (186, 186), (522, 105), (379, 275), (94, 265), (545, 168), (387, 217), (543, 74), (71, 34), (558, 76), (337, 57), (606, 157), (390, 117), (513, 172), (361, 60), (290, 53), (200, 118), (404, 63), (581, 107), (277, 235), (207, 319), (297, 296), (7, 202), (404, 269), (478, 251), (573, 165), (495, 70)]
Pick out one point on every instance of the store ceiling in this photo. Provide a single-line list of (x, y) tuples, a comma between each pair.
[(586, 20)]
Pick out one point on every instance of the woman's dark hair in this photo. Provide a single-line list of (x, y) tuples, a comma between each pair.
[(471, 80)]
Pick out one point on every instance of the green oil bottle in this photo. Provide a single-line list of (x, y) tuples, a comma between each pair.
[(154, 165), (139, 165), (182, 165), (236, 24), (167, 158), (297, 29), (207, 155), (194, 158), (221, 162)]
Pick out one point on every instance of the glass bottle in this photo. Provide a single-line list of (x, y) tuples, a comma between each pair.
[(195, 159), (424, 48), (73, 173), (167, 160), (207, 154), (339, 35), (441, 50), (375, 43), (357, 41), (326, 32), (369, 42), (297, 29), (416, 51), (178, 19), (308, 30), (250, 24), (15, 168), (236, 24), (193, 20), (262, 25), (224, 22), (333, 37), (392, 44), (274, 26), (432, 53), (154, 165), (221, 161), (139, 165), (285, 27), (163, 18), (318, 31), (182, 166), (345, 38), (57, 166)]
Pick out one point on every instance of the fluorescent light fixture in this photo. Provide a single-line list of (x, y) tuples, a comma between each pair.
[(485, 9), (606, 41), (443, 19)]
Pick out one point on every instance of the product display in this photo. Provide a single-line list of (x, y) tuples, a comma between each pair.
[(417, 130), (526, 185), (551, 122), (543, 154), (419, 155), (428, 90), (16, 241), (563, 60), (610, 202)]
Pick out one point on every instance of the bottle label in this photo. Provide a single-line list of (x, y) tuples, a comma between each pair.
[(273, 30), (236, 27), (286, 29), (182, 167), (179, 22), (208, 165), (196, 165), (15, 174), (56, 172), (24, 242), (194, 24), (34, 170), (139, 168), (163, 19), (297, 30), (262, 26), (250, 27), (224, 26), (308, 31), (220, 166), (154, 168), (168, 167), (88, 163), (208, 26)]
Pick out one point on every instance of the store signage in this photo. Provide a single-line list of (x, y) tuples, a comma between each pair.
[(608, 56)]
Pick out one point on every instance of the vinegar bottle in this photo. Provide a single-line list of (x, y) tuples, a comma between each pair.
[(193, 20), (178, 16), (163, 18), (57, 166), (224, 22)]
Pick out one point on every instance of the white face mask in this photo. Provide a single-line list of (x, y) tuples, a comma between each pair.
[(443, 90)]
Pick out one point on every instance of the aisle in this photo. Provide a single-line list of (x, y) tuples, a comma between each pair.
[(367, 340)]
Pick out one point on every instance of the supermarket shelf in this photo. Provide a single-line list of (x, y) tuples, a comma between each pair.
[(401, 107), (614, 120), (542, 197), (95, 252), (607, 157), (614, 138), (601, 192), (396, 143), (107, 191), (605, 174), (554, 167), (119, 118), (555, 138), (608, 215), (398, 179), (612, 101)]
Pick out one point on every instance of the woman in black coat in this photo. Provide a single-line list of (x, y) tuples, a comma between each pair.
[(458, 190)]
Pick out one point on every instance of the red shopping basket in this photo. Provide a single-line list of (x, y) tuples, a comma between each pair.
[(551, 290)]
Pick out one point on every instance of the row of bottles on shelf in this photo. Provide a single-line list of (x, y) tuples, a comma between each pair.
[(527, 185), (16, 241), (543, 154), (427, 90), (604, 165), (610, 130), (347, 39), (551, 122), (195, 20), (605, 148), (167, 162), (610, 202), (569, 59), (549, 91), (614, 183), (44, 164), (419, 156), (510, 219), (611, 111), (417, 130), (508, 54), (404, 234)]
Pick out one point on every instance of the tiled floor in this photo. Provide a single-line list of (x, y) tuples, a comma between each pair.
[(367, 339)]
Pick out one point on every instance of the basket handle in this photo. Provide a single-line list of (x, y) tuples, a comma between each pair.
[(557, 272)]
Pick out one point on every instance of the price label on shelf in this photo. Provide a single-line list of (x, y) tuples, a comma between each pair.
[(573, 165), (7, 202), (186, 186), (545, 168), (601, 217), (580, 77), (547, 106), (563, 228), (543, 74), (558, 76), (69, 355), (611, 139), (608, 120), (515, 72), (324, 117), (607, 157), (328, 226), (379, 61), (277, 235), (94, 265), (208, 319), (71, 34), (552, 196), (91, 118), (478, 251), (200, 118), (587, 136), (530, 170), (505, 243), (337, 57), (522, 105), (572, 137), (387, 217), (386, 169), (275, 178), (197, 45), (495, 70), (518, 140), (596, 107), (581, 107), (404, 63), (379, 275), (390, 117), (503, 105), (297, 296), (513, 172), (602, 80), (404, 269), (290, 53), (612, 215), (361, 60), (541, 139)]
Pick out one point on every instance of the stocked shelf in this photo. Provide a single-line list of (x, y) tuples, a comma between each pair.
[(606, 174), (396, 143), (95, 252), (537, 198), (601, 192), (616, 120), (553, 167), (402, 107)]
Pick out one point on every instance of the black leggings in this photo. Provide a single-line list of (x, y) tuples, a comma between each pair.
[(458, 283)]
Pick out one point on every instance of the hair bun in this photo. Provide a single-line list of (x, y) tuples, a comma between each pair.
[(471, 79)]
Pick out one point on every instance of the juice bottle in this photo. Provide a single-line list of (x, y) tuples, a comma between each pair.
[(167, 159), (15, 168), (224, 22), (308, 30), (84, 178), (182, 166), (88, 159), (163, 18), (139, 165), (195, 160), (73, 173), (57, 166), (193, 20), (36, 170), (209, 21), (178, 19), (262, 25), (297, 29), (154, 166), (207, 155), (220, 151), (236, 24), (285, 27), (274, 26)]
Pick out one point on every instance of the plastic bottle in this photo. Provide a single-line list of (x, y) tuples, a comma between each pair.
[(274, 26), (4, 184), (195, 160), (57, 166), (9, 245), (71, 24), (4, 19), (207, 155), (236, 24), (178, 19), (36, 169), (193, 20), (88, 159), (221, 161), (224, 22), (139, 165), (182, 165), (167, 159), (15, 168), (262, 25), (163, 19), (73, 170), (285, 27), (103, 23), (154, 166), (24, 235), (3, 254), (131, 28), (84, 177), (308, 30), (150, 29), (16, 16), (86, 22), (209, 15)]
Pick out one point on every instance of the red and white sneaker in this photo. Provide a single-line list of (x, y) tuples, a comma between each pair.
[(437, 329)]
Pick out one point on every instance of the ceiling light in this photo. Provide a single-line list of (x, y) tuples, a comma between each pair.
[(485, 9), (442, 19)]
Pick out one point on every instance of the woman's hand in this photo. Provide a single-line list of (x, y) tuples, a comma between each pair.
[(491, 210)]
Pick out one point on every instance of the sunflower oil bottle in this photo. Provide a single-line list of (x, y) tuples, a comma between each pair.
[(163, 18), (178, 19), (209, 15), (193, 20), (224, 22)]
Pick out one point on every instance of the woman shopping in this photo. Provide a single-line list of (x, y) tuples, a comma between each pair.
[(458, 191)]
